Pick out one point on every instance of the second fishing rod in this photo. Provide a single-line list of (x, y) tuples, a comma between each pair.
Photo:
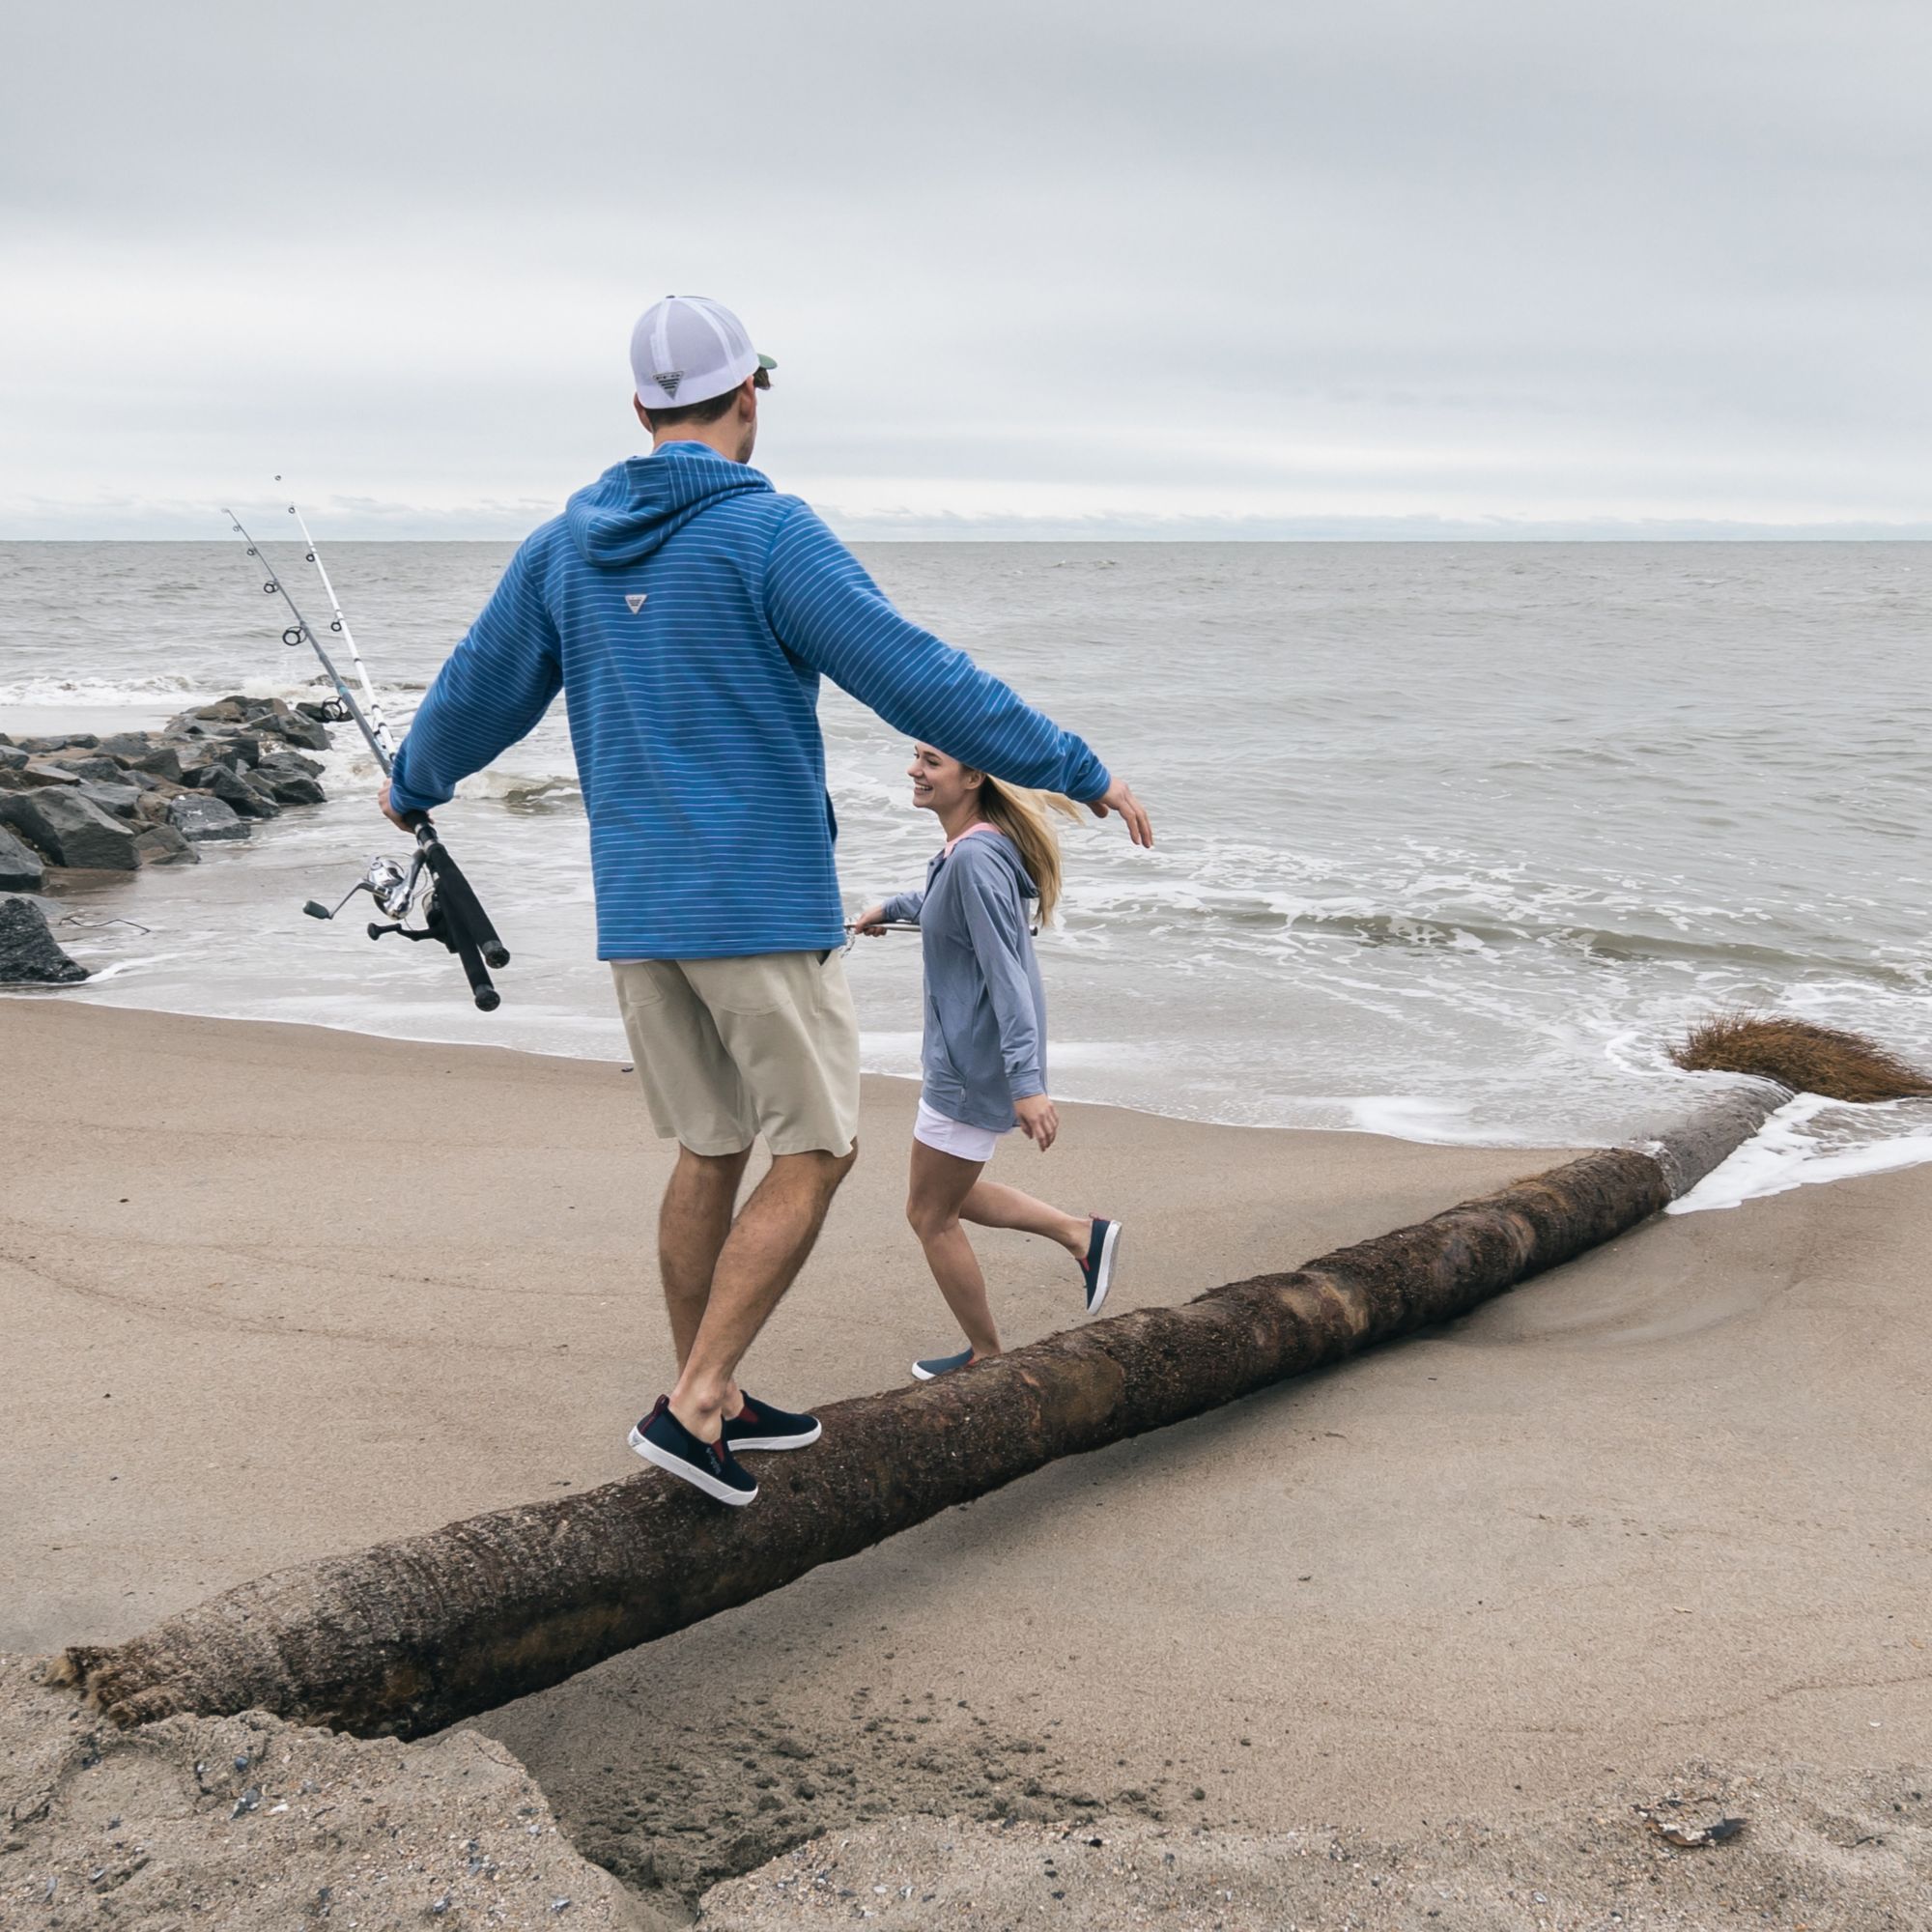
[(432, 885)]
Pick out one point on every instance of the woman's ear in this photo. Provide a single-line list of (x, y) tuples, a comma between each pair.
[(970, 780)]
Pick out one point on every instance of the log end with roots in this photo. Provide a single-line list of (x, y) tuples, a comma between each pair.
[(1801, 1055)]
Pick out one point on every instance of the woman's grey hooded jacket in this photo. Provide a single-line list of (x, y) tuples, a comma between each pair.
[(986, 1009)]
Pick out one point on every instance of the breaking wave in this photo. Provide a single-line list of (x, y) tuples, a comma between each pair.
[(100, 692)]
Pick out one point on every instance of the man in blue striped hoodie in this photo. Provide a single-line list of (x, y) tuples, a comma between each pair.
[(686, 610)]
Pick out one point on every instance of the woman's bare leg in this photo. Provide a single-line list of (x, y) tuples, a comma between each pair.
[(936, 1186), (992, 1204)]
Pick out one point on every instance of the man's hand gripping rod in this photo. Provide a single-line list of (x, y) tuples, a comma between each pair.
[(451, 912)]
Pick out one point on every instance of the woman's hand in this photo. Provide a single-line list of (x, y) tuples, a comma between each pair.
[(871, 922), (1038, 1121)]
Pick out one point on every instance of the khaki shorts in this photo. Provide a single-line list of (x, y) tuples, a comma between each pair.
[(730, 1049)]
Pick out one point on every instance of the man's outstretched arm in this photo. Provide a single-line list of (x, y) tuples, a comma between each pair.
[(491, 691), (826, 610)]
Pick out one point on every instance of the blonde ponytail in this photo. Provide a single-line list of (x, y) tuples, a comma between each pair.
[(1022, 816)]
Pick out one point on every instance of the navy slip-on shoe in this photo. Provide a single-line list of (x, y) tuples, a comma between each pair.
[(934, 1366), (758, 1425), (660, 1438), (1096, 1272)]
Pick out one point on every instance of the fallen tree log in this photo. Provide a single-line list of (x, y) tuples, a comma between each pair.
[(413, 1634)]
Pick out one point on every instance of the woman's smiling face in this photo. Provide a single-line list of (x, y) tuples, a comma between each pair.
[(939, 783)]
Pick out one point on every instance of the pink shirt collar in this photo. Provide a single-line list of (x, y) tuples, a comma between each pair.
[(979, 825)]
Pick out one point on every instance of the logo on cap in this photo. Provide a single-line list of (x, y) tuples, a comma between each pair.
[(669, 382), (636, 600)]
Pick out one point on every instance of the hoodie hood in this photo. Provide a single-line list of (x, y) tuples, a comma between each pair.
[(634, 506), (991, 848)]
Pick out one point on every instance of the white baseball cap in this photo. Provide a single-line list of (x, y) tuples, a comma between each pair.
[(688, 349)]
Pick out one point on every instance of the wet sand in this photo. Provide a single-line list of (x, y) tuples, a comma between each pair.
[(270, 1291)]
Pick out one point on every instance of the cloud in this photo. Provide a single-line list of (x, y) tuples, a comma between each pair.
[(1245, 267)]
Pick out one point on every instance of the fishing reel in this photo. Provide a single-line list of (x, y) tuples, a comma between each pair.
[(388, 883), (433, 887)]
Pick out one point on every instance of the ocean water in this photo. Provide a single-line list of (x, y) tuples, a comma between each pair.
[(1453, 840)]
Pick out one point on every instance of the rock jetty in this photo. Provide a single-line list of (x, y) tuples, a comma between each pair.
[(79, 803)]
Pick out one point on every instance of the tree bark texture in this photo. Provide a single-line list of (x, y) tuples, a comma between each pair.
[(413, 1634)]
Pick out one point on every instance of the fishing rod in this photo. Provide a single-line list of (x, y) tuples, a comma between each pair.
[(338, 623), (431, 886)]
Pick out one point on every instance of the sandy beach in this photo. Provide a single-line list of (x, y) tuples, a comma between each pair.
[(271, 1292)]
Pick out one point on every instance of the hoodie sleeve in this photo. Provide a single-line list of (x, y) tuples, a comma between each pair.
[(826, 610), (490, 691), (996, 922)]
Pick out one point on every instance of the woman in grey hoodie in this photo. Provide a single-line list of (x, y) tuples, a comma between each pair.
[(984, 1052)]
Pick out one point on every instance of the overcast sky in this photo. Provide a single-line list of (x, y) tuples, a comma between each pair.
[(1361, 267)]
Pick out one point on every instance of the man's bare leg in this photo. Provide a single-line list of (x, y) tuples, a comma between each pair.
[(759, 1260), (693, 1224)]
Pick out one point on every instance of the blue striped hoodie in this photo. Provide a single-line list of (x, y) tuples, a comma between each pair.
[(686, 611)]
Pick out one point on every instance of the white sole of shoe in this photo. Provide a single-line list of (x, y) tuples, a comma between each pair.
[(677, 1466), (921, 1372), (802, 1441), (1103, 1275)]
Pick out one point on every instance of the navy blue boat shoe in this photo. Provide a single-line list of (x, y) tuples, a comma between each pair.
[(660, 1438), (934, 1366), (1097, 1270), (759, 1425)]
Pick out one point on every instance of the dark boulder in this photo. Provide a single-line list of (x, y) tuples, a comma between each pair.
[(200, 817), (20, 866), (297, 730), (216, 755), (288, 787), (12, 757), (28, 952), (224, 710), (71, 741), (33, 774), (163, 762), (119, 799), (237, 750), (71, 829), (152, 808), (134, 745), (263, 788), (165, 845), (289, 764), (236, 792), (88, 765)]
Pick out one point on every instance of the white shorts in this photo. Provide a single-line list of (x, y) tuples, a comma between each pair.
[(953, 1137)]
